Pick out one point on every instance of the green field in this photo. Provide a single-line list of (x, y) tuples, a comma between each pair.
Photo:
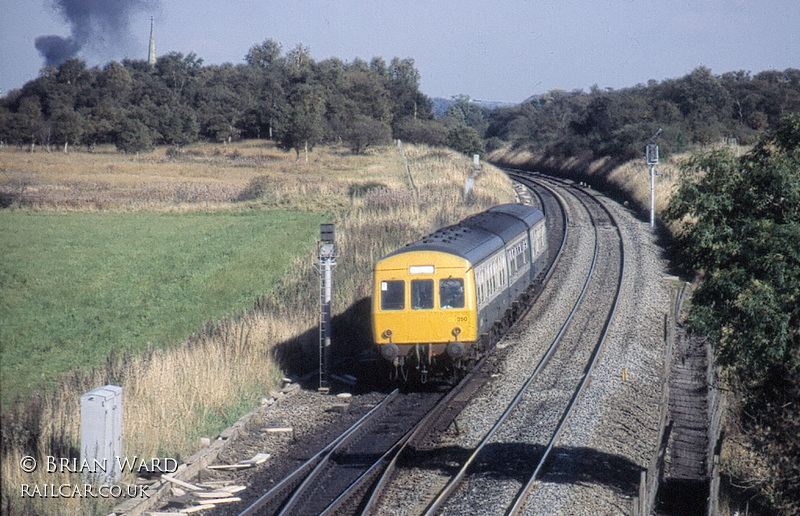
[(73, 286)]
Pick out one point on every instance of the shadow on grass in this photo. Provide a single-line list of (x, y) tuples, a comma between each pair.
[(351, 351)]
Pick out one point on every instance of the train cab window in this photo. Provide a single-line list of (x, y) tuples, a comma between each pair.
[(393, 294), (422, 294), (451, 293)]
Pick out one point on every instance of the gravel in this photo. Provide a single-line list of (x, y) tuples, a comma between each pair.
[(616, 420)]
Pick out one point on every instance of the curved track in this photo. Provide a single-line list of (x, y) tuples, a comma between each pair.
[(338, 477), (523, 437), (505, 447), (345, 471), (435, 449)]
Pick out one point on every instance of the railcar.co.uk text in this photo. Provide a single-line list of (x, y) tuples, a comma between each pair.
[(100, 468)]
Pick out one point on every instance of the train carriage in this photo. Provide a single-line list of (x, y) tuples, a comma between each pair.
[(434, 299)]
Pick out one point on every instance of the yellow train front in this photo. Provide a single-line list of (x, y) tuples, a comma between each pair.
[(436, 301)]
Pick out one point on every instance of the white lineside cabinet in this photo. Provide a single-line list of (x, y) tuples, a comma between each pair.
[(101, 433)]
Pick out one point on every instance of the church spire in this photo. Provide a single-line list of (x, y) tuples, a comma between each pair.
[(151, 55)]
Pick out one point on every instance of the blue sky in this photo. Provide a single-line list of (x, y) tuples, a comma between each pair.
[(503, 51)]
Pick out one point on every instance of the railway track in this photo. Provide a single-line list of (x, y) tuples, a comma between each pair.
[(317, 483), (509, 457), (610, 442), (350, 485), (338, 477)]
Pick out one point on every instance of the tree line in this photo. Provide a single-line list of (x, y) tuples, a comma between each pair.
[(288, 97), (696, 109)]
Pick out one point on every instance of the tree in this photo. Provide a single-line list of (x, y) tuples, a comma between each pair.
[(101, 123), (304, 127), (403, 84), (178, 125), (179, 72), (368, 95), (744, 235), (134, 137), (69, 127), (365, 132), (267, 80), (115, 83), (223, 101), (289, 97), (786, 136), (265, 55), (299, 64), (741, 229), (21, 127), (465, 112)]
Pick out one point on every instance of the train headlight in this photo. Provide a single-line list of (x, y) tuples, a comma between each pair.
[(387, 334), (456, 331)]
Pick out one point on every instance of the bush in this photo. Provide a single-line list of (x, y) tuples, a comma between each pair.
[(134, 137), (426, 132), (465, 140)]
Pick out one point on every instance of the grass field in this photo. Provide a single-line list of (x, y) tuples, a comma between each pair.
[(76, 285)]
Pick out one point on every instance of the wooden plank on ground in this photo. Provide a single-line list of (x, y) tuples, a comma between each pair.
[(181, 483), (258, 458), (217, 501)]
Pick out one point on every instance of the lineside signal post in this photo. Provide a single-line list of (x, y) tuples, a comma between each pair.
[(326, 264), (651, 153)]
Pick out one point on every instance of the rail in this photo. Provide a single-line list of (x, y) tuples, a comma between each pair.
[(419, 431), (521, 496), (307, 470), (520, 501)]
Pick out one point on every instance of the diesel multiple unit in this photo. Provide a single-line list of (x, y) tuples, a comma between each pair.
[(439, 296)]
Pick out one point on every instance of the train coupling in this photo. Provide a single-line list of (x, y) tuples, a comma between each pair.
[(390, 351), (455, 350)]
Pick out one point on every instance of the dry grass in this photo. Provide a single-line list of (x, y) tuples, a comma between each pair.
[(631, 178), (174, 396)]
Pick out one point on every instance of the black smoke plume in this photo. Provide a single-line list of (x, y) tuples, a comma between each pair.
[(56, 49), (101, 24)]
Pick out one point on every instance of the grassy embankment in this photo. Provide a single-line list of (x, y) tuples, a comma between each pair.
[(177, 393), (630, 180)]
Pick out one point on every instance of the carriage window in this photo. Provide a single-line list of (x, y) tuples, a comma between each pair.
[(393, 295), (422, 294), (451, 293)]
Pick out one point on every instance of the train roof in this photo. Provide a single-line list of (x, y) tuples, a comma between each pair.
[(529, 215), (480, 235), (503, 225), (472, 244)]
